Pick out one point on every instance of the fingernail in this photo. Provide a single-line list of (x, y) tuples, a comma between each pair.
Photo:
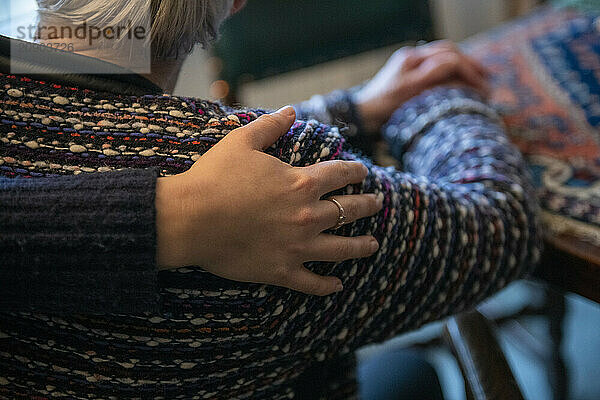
[(287, 111), (374, 245), (339, 287)]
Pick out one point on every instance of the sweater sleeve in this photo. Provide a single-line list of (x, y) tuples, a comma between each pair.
[(459, 223), (82, 243)]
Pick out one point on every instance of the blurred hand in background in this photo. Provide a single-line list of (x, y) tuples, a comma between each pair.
[(412, 70)]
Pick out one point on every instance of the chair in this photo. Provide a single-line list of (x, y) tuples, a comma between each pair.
[(482, 363)]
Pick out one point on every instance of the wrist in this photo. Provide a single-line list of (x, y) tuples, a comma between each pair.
[(170, 222), (375, 111), (368, 116), (368, 112)]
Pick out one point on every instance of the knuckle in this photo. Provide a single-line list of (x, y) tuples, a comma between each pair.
[(271, 121), (411, 58), (343, 250), (345, 170), (280, 275), (335, 167), (353, 209), (372, 205), (306, 183), (306, 217)]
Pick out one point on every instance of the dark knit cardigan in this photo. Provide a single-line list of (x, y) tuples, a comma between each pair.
[(458, 224)]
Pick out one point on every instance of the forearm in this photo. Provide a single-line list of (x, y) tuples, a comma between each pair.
[(80, 243)]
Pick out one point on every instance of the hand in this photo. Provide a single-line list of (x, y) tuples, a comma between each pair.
[(247, 216), (409, 72)]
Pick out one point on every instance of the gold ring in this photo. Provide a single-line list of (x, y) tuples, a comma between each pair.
[(341, 216)]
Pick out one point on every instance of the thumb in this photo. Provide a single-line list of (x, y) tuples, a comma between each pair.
[(265, 130)]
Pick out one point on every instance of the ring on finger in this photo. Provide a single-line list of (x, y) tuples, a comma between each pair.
[(341, 213)]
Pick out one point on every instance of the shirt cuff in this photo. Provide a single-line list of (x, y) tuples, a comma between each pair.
[(415, 116)]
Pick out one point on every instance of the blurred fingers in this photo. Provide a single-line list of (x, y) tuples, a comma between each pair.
[(477, 66), (469, 75), (436, 48), (447, 66)]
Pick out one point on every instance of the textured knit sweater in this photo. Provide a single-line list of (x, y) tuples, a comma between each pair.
[(458, 224)]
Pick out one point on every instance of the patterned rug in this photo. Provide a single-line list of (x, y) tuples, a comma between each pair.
[(545, 73)]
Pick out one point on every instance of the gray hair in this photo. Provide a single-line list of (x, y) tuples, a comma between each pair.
[(176, 25)]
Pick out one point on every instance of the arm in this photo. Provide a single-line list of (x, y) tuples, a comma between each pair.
[(79, 243), (457, 225)]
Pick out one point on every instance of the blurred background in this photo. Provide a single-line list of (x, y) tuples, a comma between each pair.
[(281, 52), (318, 46)]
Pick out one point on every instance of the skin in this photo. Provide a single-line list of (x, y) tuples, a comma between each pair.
[(257, 219)]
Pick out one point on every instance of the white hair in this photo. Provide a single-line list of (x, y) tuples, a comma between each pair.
[(176, 25)]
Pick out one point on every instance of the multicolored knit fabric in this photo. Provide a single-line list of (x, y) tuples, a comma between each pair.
[(545, 74), (458, 224)]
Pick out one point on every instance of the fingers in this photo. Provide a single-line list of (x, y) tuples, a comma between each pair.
[(468, 74), (471, 76), (477, 65), (445, 60), (446, 66), (335, 174), (355, 207), (432, 51), (335, 248), (305, 281), (266, 129)]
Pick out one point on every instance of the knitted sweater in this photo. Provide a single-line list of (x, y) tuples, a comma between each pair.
[(458, 223)]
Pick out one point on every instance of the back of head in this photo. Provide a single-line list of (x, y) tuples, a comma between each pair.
[(176, 25)]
